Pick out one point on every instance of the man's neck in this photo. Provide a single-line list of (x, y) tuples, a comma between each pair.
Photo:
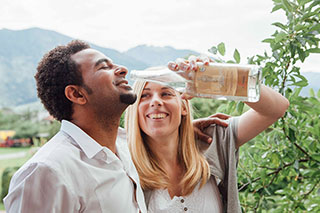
[(105, 134)]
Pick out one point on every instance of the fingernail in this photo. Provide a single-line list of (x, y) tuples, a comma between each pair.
[(172, 66), (209, 140), (192, 66), (185, 67)]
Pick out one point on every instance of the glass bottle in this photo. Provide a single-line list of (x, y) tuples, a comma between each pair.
[(216, 80)]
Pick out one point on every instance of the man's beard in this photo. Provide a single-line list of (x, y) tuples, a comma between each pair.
[(128, 98)]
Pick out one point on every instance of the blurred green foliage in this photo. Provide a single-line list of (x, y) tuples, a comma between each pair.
[(279, 170)]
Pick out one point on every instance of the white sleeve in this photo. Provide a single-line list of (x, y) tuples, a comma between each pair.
[(38, 188)]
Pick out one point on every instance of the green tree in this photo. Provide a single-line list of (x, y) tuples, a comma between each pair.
[(27, 124), (279, 169)]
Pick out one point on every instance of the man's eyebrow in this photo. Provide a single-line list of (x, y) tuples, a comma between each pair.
[(101, 61)]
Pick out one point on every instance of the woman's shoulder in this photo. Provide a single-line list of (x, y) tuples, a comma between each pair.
[(220, 134)]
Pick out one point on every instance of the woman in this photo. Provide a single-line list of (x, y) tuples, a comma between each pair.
[(174, 173)]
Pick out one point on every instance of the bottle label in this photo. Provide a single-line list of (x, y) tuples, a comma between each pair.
[(221, 80)]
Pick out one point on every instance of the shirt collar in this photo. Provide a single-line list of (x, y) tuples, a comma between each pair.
[(88, 145)]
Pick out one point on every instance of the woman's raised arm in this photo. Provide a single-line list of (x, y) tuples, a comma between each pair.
[(271, 106)]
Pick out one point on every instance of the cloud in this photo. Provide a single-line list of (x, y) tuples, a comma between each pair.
[(122, 24)]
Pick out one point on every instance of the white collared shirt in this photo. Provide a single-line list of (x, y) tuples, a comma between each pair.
[(73, 173)]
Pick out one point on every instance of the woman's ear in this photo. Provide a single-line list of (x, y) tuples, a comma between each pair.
[(74, 94), (184, 110)]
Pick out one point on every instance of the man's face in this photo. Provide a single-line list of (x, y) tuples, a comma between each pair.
[(109, 91)]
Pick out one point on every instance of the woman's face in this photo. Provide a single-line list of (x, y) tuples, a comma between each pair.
[(160, 111)]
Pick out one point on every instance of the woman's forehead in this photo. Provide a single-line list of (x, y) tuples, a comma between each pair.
[(153, 85)]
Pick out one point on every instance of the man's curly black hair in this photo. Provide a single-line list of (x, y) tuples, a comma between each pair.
[(57, 70)]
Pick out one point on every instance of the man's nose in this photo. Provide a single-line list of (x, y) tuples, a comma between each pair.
[(121, 71)]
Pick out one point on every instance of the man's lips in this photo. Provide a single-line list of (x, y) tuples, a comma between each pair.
[(122, 82)]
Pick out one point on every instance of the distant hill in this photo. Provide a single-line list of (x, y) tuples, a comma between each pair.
[(155, 56), (21, 50), (313, 80)]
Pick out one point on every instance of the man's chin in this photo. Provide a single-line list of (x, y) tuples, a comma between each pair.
[(128, 98)]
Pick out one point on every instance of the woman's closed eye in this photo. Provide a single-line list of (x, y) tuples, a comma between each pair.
[(144, 95), (168, 94)]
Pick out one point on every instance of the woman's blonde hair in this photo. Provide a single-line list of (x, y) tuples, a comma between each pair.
[(152, 174)]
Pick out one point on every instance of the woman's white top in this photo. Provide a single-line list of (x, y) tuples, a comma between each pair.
[(207, 199)]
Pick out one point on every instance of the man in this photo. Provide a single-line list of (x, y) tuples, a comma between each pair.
[(82, 168), (85, 167)]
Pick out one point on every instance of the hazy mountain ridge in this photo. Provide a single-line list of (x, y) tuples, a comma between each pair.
[(150, 54), (21, 50), (313, 80)]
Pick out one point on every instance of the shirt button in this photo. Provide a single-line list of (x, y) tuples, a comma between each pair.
[(185, 209), (182, 200)]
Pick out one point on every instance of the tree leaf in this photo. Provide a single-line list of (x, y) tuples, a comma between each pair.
[(268, 40), (308, 15), (302, 54), (277, 7), (287, 5), (221, 48), (236, 56), (316, 27), (316, 156), (213, 50), (293, 49), (292, 135), (314, 50), (280, 36), (301, 83), (303, 2), (240, 106), (301, 206), (311, 92), (298, 27), (280, 25), (296, 165)]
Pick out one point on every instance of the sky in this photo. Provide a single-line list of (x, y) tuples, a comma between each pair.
[(182, 24)]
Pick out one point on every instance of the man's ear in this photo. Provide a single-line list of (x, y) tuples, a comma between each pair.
[(74, 94)]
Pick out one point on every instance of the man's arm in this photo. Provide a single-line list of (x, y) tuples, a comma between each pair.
[(38, 188), (201, 124)]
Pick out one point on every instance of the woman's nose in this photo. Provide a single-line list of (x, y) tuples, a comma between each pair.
[(156, 101)]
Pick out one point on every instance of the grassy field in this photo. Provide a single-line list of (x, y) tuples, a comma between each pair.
[(4, 163), (8, 150)]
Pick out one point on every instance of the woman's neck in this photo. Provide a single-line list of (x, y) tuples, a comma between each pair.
[(165, 149), (166, 152)]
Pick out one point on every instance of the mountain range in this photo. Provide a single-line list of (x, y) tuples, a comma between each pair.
[(21, 50)]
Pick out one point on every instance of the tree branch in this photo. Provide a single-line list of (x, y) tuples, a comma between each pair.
[(297, 145), (305, 195), (242, 187)]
